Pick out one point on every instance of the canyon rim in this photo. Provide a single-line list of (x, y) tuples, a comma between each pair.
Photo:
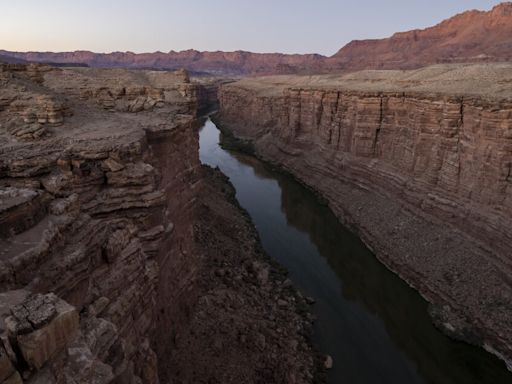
[(125, 257)]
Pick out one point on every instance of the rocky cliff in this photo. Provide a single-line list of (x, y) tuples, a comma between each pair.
[(472, 36), (417, 163), (113, 268)]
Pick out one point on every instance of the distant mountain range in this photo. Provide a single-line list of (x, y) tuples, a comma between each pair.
[(472, 36), (11, 59)]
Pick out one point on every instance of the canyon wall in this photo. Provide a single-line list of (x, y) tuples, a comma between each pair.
[(416, 163), (113, 268), (469, 37), (86, 210)]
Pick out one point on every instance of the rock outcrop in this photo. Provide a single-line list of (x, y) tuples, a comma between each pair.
[(417, 163), (82, 211), (41, 326), (110, 266), (470, 37)]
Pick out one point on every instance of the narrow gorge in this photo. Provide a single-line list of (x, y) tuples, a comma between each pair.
[(417, 163), (256, 193), (139, 245), (122, 258)]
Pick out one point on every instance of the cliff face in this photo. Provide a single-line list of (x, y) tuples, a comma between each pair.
[(422, 177), (472, 36), (112, 266), (86, 211)]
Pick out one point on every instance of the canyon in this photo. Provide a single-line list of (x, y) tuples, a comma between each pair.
[(416, 163), (122, 258), (472, 36)]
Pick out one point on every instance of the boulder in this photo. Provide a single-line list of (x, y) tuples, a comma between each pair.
[(42, 326)]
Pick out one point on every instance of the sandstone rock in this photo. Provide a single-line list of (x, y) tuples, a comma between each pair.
[(112, 165), (122, 239), (82, 366), (42, 325), (403, 155), (15, 378), (183, 74), (472, 36), (224, 63), (137, 105), (6, 367), (20, 209), (282, 303), (64, 205), (263, 276), (96, 308), (28, 114), (462, 38)]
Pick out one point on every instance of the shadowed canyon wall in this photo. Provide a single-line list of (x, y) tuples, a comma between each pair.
[(100, 206), (122, 258), (422, 176)]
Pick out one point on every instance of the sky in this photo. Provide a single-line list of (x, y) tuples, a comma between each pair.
[(288, 26)]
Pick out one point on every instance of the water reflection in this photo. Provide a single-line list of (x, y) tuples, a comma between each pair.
[(373, 325)]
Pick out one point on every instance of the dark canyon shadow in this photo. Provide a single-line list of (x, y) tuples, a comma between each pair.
[(375, 327)]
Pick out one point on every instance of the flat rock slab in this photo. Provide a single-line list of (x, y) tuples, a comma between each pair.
[(42, 325)]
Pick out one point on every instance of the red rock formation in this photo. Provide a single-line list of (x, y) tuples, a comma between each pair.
[(472, 36), (111, 266), (225, 63), (422, 176)]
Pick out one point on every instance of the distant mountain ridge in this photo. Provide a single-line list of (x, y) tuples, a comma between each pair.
[(233, 63), (11, 60), (472, 36)]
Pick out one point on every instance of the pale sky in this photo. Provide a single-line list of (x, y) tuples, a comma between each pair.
[(288, 26)]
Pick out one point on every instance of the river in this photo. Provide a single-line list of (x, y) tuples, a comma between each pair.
[(375, 327)]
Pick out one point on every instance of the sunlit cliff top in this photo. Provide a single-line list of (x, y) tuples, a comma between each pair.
[(489, 80)]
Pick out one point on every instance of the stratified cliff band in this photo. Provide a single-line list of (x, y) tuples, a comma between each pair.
[(418, 163), (122, 259)]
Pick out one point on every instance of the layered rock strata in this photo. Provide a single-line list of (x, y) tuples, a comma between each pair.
[(417, 163), (470, 37), (107, 267)]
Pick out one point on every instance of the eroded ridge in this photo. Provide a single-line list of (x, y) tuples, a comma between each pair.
[(104, 248)]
